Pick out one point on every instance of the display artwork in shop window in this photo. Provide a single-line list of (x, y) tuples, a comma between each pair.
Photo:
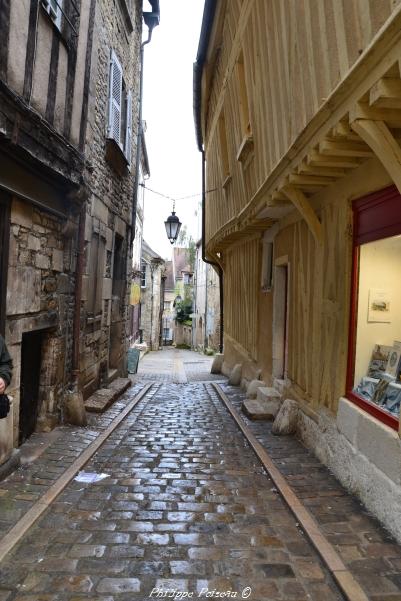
[(379, 305), (379, 359), (393, 363)]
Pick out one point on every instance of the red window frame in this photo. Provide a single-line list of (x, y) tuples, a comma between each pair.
[(376, 216)]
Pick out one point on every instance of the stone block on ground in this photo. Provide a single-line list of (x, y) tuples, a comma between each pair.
[(235, 376), (266, 393), (74, 410), (286, 419), (260, 410), (120, 385), (217, 364), (253, 388), (104, 397)]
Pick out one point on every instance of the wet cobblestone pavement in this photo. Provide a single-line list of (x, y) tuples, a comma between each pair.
[(186, 507), (366, 548)]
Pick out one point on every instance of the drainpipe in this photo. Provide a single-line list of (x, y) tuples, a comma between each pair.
[(151, 20), (219, 269), (78, 297)]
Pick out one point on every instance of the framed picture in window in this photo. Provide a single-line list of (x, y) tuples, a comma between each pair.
[(379, 308)]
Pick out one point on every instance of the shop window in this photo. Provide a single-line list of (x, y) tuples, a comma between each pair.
[(374, 368)]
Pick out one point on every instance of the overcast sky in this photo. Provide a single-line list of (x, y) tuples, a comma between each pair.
[(175, 162)]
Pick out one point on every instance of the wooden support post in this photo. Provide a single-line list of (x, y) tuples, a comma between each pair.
[(380, 139), (303, 205)]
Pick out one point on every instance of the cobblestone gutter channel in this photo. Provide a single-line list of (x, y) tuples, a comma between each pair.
[(30, 484), (364, 547), (188, 507)]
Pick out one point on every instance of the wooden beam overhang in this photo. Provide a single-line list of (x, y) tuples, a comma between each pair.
[(303, 205), (380, 139), (353, 125)]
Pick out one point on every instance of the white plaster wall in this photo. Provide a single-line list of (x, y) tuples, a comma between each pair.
[(61, 89), (42, 64), (365, 456), (19, 20), (379, 268)]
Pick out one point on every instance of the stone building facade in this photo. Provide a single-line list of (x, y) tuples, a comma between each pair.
[(152, 297), (110, 152), (60, 177)]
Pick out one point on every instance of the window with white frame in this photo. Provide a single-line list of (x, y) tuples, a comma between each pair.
[(119, 126), (54, 9)]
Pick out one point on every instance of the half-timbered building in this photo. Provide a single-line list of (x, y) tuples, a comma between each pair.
[(298, 116), (69, 96)]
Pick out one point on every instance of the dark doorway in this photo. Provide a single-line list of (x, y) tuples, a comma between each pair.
[(30, 376), (4, 242)]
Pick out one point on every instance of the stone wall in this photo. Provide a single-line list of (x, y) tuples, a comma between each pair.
[(40, 297), (151, 305), (106, 323)]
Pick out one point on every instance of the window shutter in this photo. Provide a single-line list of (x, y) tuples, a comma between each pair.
[(115, 98), (128, 133)]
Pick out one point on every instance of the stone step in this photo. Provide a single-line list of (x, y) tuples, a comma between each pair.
[(260, 410), (111, 375), (266, 393), (104, 397)]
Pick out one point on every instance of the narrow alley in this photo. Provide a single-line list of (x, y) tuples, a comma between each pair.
[(186, 509)]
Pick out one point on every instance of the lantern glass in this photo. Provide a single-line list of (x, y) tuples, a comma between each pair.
[(173, 226)]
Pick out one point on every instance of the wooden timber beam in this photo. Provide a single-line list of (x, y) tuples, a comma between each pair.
[(386, 93), (380, 139), (303, 205), (361, 110), (344, 149), (315, 159)]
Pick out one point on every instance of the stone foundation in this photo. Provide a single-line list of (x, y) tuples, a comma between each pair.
[(365, 456)]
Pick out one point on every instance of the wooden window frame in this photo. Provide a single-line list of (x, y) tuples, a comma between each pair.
[(245, 150), (372, 221)]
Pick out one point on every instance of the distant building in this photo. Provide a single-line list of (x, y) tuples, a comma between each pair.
[(206, 309), (168, 305), (135, 299), (152, 295)]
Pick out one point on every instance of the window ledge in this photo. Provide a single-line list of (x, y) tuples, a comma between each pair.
[(116, 157), (245, 150)]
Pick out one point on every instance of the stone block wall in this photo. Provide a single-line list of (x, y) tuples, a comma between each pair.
[(40, 297), (105, 322)]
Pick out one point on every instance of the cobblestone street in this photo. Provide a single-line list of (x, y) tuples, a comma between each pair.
[(186, 507)]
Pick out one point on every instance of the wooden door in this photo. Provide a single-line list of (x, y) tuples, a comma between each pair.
[(30, 377)]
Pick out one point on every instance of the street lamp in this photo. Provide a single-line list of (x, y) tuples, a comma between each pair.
[(173, 226)]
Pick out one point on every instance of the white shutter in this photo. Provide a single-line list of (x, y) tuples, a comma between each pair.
[(128, 133), (115, 98)]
